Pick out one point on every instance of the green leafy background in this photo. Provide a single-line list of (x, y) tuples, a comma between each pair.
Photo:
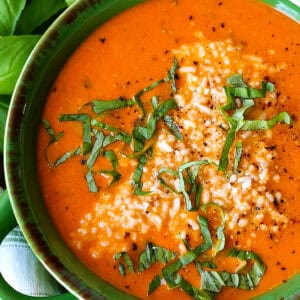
[(22, 23)]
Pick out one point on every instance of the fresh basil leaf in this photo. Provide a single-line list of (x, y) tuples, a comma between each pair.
[(14, 51), (36, 13), (10, 11), (96, 148), (171, 75), (282, 117), (236, 80), (127, 261), (102, 106), (4, 103), (154, 254), (53, 136), (86, 128), (238, 155), (91, 182)]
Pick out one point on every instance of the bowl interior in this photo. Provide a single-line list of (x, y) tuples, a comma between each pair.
[(40, 71)]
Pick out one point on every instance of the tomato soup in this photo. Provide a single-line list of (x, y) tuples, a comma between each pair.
[(168, 153)]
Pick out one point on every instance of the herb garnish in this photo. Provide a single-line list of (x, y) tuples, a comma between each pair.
[(86, 128), (237, 155), (238, 89)]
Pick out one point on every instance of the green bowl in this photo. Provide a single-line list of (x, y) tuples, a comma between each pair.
[(40, 71)]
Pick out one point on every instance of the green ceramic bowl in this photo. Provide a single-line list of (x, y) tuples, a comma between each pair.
[(39, 73)]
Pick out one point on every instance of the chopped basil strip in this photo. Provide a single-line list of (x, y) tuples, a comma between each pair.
[(127, 262), (115, 130), (238, 155), (239, 89), (214, 281), (86, 128), (154, 254), (154, 284), (96, 148), (137, 177), (170, 272), (102, 106), (170, 77), (163, 182), (66, 156), (282, 117), (188, 184), (114, 174), (111, 156), (209, 264), (123, 137), (53, 136), (220, 244), (91, 182), (169, 121), (141, 134)]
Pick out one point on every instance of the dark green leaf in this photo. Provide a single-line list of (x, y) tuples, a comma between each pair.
[(123, 137), (10, 11), (102, 106), (86, 128), (14, 51), (236, 80), (36, 13), (238, 155), (154, 254)]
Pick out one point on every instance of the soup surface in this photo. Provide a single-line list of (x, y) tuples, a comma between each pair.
[(118, 182)]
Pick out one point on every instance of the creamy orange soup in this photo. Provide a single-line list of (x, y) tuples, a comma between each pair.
[(118, 198)]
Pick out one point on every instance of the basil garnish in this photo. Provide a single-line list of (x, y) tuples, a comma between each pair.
[(127, 262), (102, 106), (239, 89), (214, 281), (86, 128), (154, 254), (237, 155), (137, 177)]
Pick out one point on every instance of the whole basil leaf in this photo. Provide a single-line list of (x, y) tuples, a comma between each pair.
[(14, 51), (10, 11), (36, 13)]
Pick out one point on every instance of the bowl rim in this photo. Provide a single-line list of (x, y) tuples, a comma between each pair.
[(14, 168)]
